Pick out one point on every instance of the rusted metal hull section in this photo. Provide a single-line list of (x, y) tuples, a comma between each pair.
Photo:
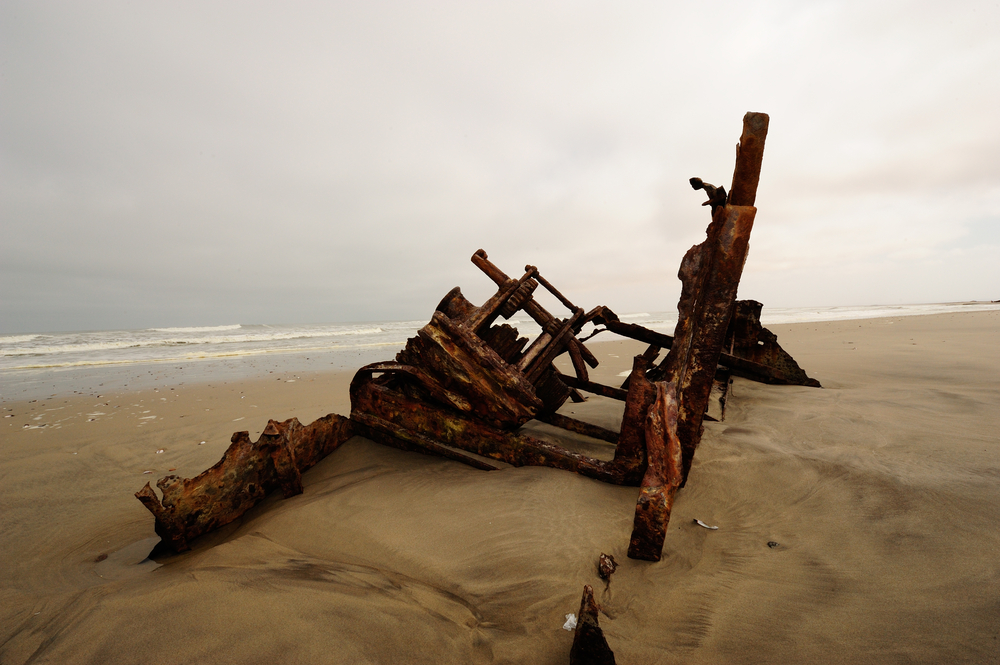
[(384, 407), (246, 474), (749, 341)]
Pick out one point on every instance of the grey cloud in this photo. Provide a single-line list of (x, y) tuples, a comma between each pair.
[(239, 162)]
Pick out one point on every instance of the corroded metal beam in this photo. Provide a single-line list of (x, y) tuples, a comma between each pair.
[(710, 275), (247, 473), (386, 405), (662, 479), (749, 157)]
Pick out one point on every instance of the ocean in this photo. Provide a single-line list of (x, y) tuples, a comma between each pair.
[(42, 364)]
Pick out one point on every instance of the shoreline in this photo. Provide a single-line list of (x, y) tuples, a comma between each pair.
[(40, 383)]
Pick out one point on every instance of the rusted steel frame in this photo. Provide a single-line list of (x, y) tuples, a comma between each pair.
[(378, 430), (638, 333), (518, 298), (650, 354), (754, 371), (664, 473), (595, 388), (579, 366), (749, 157), (438, 391), (590, 647), (247, 472), (487, 314), (455, 305), (484, 316), (579, 427), (463, 363), (403, 413), (743, 367), (710, 275), (554, 291), (716, 409), (540, 315), (560, 338)]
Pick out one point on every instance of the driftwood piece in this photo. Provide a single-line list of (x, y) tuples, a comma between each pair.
[(247, 473), (589, 644), (662, 478)]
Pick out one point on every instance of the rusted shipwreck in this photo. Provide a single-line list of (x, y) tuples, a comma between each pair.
[(467, 383)]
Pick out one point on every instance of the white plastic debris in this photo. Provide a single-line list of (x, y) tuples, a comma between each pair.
[(570, 624), (700, 523)]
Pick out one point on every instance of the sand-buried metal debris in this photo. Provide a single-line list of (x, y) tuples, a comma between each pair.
[(467, 383), (589, 644)]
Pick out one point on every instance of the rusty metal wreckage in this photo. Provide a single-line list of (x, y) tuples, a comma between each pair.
[(467, 383)]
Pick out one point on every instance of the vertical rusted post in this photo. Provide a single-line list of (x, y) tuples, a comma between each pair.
[(662, 479), (749, 156), (630, 453), (710, 274)]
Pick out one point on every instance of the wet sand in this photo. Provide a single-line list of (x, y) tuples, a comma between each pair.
[(880, 495)]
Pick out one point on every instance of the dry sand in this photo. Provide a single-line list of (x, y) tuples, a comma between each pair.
[(881, 493)]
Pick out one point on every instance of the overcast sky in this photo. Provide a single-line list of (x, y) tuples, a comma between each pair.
[(207, 163)]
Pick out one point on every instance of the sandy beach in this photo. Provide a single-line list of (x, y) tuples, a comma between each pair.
[(879, 495)]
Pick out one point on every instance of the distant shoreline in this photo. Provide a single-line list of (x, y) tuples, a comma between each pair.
[(128, 375)]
